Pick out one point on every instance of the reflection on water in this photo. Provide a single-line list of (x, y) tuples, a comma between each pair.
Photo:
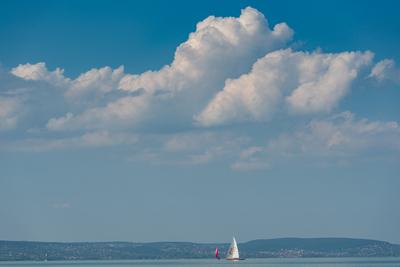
[(323, 262)]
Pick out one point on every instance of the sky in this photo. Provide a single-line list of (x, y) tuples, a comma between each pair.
[(195, 121)]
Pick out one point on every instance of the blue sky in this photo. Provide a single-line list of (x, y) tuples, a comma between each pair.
[(126, 121)]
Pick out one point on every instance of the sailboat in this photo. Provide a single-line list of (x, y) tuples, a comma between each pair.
[(217, 254), (233, 252)]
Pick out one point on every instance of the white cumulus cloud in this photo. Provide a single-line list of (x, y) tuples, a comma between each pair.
[(219, 48), (229, 70), (97, 81), (305, 82)]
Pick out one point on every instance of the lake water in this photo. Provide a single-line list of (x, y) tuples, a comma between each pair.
[(325, 262)]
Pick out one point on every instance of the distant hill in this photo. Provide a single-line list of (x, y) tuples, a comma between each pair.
[(319, 247), (263, 248)]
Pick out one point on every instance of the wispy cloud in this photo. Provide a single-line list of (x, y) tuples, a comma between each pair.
[(386, 70), (10, 107), (327, 140), (191, 148), (87, 140)]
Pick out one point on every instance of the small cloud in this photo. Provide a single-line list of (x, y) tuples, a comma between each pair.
[(34, 131), (191, 148), (251, 151), (39, 72), (251, 165), (252, 159), (385, 70)]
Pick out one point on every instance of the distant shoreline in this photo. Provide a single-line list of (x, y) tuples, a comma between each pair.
[(370, 259), (263, 248)]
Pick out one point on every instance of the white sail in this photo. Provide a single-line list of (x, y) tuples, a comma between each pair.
[(233, 251)]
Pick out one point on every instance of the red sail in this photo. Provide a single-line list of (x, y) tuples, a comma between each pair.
[(216, 253)]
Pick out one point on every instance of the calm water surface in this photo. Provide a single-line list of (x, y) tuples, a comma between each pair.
[(326, 262)]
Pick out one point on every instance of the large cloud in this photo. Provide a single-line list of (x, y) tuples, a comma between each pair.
[(309, 82), (230, 70), (220, 48), (214, 57)]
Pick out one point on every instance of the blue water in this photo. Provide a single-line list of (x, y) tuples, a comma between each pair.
[(325, 262)]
